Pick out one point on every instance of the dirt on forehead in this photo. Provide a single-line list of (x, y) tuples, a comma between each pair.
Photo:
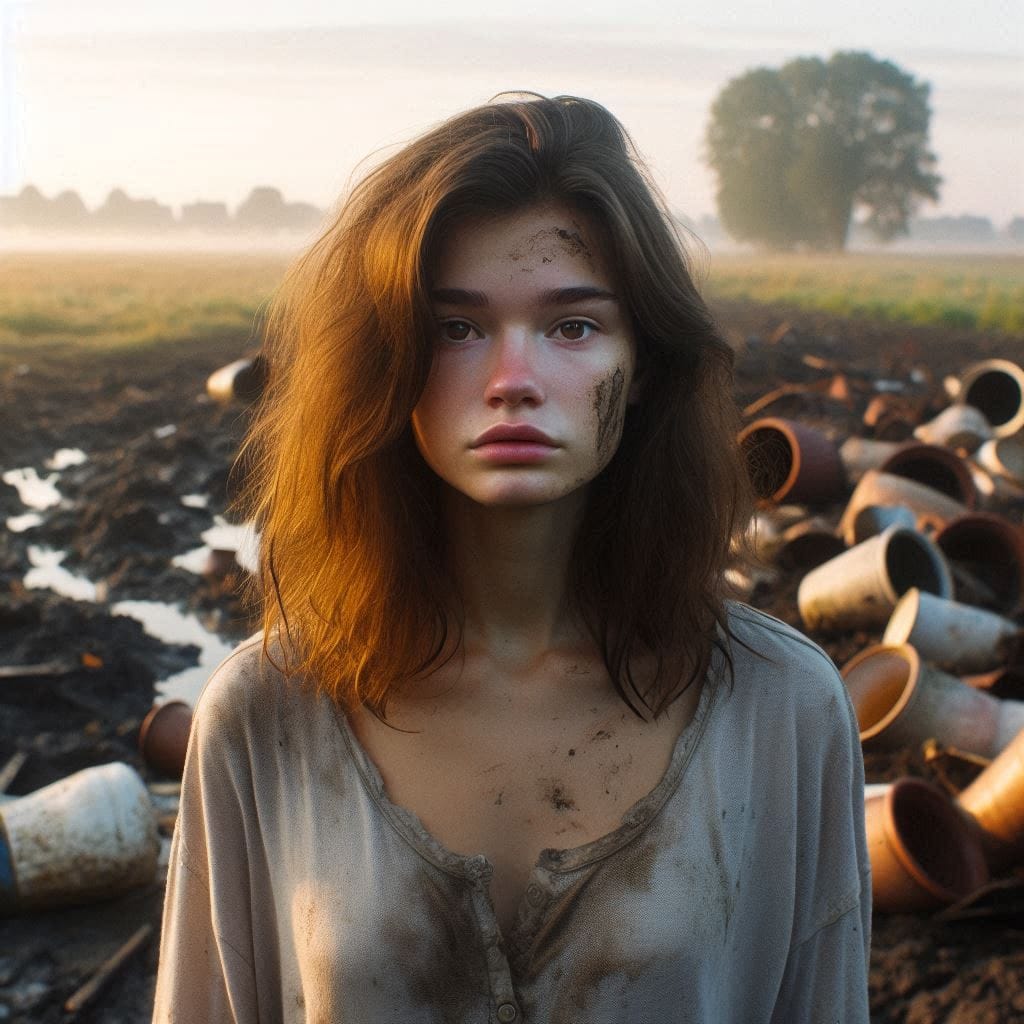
[(151, 438), (563, 237)]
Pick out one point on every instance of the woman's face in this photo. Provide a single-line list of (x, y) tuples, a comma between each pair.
[(535, 358)]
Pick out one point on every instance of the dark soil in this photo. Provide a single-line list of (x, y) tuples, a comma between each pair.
[(122, 521)]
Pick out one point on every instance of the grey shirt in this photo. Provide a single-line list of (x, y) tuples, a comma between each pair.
[(736, 892)]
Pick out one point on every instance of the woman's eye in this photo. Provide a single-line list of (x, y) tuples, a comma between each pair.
[(575, 330), (456, 330)]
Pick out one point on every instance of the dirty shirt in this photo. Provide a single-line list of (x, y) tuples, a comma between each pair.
[(736, 892)]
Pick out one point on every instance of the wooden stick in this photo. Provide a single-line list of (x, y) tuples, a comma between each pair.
[(107, 970), (10, 770), (46, 668)]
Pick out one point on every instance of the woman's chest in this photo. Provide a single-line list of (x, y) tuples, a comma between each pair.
[(513, 787)]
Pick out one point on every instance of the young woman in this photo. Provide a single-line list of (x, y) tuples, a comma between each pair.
[(503, 752)]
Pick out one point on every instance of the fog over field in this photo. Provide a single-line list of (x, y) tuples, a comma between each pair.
[(187, 104)]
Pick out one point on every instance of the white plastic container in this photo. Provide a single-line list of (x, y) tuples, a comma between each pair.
[(87, 837)]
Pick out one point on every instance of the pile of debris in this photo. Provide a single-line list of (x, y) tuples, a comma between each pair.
[(929, 550)]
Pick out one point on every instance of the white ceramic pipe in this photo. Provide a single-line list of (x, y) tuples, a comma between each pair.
[(959, 638), (957, 426), (860, 587), (931, 508)]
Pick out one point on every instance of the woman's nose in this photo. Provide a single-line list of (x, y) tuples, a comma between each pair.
[(513, 376)]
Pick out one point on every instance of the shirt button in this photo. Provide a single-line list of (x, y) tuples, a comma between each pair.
[(534, 896), (507, 1013)]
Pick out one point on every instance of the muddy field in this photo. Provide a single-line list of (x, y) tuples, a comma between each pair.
[(121, 521)]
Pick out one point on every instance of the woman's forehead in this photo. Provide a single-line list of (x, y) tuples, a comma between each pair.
[(524, 241)]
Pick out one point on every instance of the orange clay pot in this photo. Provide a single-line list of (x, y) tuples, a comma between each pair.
[(790, 461), (163, 737), (924, 853), (995, 800), (901, 702)]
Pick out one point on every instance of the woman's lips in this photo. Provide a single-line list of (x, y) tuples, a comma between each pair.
[(513, 432), (513, 443)]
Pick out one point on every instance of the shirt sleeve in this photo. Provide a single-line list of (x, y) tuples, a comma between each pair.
[(207, 970), (826, 975), (202, 976)]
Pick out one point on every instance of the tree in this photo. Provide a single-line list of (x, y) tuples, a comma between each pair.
[(797, 151)]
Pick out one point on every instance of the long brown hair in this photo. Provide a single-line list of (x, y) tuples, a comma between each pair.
[(354, 573)]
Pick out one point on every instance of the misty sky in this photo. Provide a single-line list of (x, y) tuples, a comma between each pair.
[(203, 101)]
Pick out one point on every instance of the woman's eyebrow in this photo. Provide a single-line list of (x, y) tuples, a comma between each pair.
[(459, 297), (579, 293), (554, 297)]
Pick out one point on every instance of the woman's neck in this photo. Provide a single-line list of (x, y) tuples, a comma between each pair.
[(511, 569)]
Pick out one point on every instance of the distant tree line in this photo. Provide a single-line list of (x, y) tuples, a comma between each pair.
[(264, 210)]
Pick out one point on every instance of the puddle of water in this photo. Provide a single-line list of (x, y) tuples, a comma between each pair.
[(34, 491), (192, 561), (47, 574), (19, 524), (243, 540), (195, 500), (63, 458), (168, 623)]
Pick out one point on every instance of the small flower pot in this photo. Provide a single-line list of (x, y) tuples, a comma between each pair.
[(996, 387), (960, 638), (860, 588), (932, 509), (163, 737), (790, 461), (924, 853), (901, 702)]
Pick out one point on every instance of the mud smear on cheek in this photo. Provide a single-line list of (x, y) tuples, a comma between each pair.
[(609, 410)]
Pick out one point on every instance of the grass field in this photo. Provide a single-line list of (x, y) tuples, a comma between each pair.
[(110, 303), (113, 302), (983, 292)]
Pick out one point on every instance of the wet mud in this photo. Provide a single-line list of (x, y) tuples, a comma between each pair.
[(121, 522)]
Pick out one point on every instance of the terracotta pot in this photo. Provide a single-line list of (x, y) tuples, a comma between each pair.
[(860, 588), (241, 381), (932, 508), (1003, 457), (163, 737), (957, 426), (859, 454), (959, 638), (986, 549), (995, 800), (875, 519), (790, 461), (890, 418), (935, 467), (807, 544), (924, 854), (996, 387), (901, 702)]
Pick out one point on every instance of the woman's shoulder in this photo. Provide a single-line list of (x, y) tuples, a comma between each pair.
[(770, 655), (250, 686)]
